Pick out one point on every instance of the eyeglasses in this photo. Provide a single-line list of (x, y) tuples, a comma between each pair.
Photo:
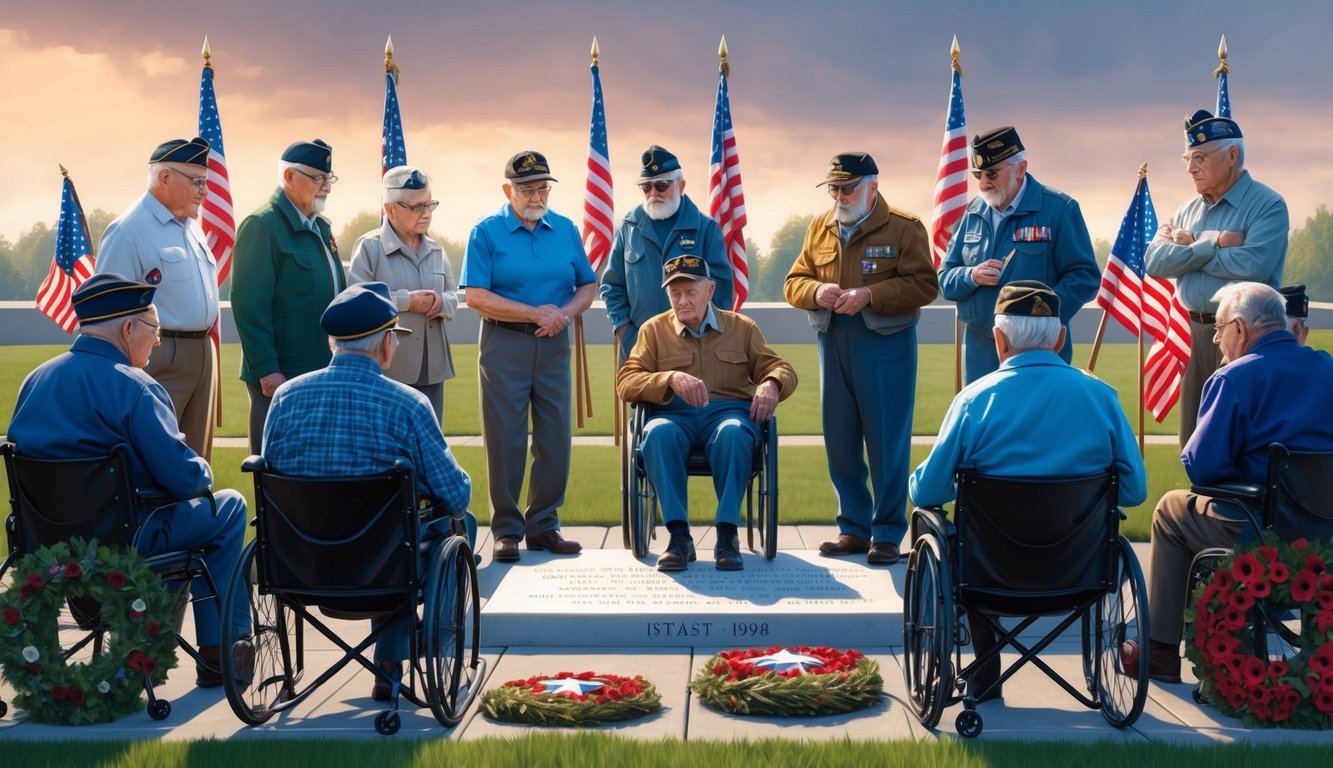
[(844, 189), (1217, 329), (157, 329), (990, 173), (419, 208), (660, 186), (1190, 158), (321, 179), (199, 182), (529, 192)]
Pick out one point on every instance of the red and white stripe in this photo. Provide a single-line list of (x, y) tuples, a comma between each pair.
[(950, 192), (216, 216), (598, 208), (726, 204), (53, 297), (1165, 318)]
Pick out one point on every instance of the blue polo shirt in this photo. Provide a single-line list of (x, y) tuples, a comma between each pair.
[(542, 265)]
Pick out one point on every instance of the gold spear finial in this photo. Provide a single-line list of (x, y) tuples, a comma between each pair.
[(594, 50), (1222, 57), (722, 57), (956, 54), (64, 173), (389, 66), (207, 54), (1143, 171)]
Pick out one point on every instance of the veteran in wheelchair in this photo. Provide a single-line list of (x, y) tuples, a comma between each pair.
[(1261, 456), (96, 452), (709, 381), (347, 452), (1037, 457)]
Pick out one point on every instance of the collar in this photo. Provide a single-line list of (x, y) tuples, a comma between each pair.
[(1033, 358), (878, 215), (295, 218), (100, 347), (711, 320), (355, 361), (391, 242), (1237, 192), (160, 211), (1016, 202), (513, 222)]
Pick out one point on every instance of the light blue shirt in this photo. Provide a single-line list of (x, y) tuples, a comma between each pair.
[(542, 265), (710, 321)]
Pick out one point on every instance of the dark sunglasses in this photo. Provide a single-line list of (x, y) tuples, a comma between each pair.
[(660, 186)]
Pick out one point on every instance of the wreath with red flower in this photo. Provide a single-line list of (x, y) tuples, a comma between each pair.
[(1295, 692), (570, 699), (138, 610), (789, 682)]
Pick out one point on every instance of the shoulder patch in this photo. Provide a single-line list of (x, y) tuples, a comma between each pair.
[(904, 214)]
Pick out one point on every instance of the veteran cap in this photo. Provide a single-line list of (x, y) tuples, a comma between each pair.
[(1298, 304), (359, 311), (993, 148), (528, 166), (691, 267), (657, 161), (405, 177), (194, 152), (1201, 128), (849, 166), (108, 295), (1027, 298), (317, 154)]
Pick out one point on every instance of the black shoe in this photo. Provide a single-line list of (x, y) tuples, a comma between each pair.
[(727, 552), (679, 552)]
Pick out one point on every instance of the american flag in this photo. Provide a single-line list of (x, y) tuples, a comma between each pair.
[(726, 200), (951, 177), (72, 263), (598, 202), (393, 149), (1223, 95), (216, 217)]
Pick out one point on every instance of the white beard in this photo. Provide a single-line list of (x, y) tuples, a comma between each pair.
[(658, 210), (317, 205), (993, 198), (849, 213)]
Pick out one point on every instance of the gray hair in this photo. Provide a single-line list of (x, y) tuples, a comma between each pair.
[(1028, 333), (1239, 144), (1019, 157), (283, 165), (391, 190), (1259, 306), (366, 345), (154, 169), (675, 175)]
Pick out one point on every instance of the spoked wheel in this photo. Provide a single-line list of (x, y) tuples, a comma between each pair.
[(256, 662), (642, 513), (626, 473), (768, 498), (928, 618), (452, 632), (1122, 620)]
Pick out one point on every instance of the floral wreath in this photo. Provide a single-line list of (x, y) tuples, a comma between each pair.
[(1295, 692), (788, 682), (570, 699), (137, 609)]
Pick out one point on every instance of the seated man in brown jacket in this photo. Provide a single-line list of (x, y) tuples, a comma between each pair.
[(713, 380)]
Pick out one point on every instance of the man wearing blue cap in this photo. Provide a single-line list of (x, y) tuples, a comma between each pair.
[(1016, 228), (158, 241), (667, 225), (96, 397), (1236, 229), (316, 416), (286, 271)]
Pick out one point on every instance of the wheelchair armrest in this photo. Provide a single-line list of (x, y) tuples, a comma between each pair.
[(1242, 492), (254, 463), (157, 502)]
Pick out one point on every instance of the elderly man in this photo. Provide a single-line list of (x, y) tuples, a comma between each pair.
[(286, 271), (157, 242), (1001, 424), (96, 397), (1016, 228), (668, 224), (863, 273), (1236, 229), (1298, 309), (401, 254), (1270, 389), (716, 380), (317, 415), (526, 274)]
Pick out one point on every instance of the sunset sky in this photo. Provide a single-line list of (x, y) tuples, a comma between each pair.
[(1094, 89)]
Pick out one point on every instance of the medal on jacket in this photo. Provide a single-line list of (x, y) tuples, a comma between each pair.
[(1032, 234)]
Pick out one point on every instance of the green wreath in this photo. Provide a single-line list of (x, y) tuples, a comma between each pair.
[(137, 608), (789, 682), (570, 699)]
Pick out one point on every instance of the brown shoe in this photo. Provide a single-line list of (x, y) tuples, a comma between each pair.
[(209, 674), (506, 549), (845, 544), (1163, 662), (883, 553), (553, 542)]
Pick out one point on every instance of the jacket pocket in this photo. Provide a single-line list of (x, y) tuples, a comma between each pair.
[(676, 362)]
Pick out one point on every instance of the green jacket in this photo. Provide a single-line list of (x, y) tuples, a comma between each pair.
[(281, 285)]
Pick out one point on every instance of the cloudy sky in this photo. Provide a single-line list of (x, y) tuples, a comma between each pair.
[(1094, 89)]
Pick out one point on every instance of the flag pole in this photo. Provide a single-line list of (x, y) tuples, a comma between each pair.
[(216, 331), (1143, 174), (1097, 342), (582, 385), (956, 65)]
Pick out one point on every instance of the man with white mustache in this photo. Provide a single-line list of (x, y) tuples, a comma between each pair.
[(667, 225)]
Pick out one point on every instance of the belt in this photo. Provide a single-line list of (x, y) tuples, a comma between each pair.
[(1203, 318), (528, 328), (184, 334)]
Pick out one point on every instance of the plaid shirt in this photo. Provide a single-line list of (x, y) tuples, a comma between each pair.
[(349, 419)]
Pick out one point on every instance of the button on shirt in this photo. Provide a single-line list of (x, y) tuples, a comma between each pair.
[(542, 265)]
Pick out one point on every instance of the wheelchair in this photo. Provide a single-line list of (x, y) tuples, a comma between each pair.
[(347, 548), (1296, 500), (1028, 548), (639, 508), (59, 499)]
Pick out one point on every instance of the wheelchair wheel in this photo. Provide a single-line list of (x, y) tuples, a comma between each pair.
[(642, 513), (928, 626), (452, 631), (256, 693), (968, 723), (626, 474), (1122, 616), (768, 501)]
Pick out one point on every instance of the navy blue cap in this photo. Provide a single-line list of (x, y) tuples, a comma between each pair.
[(1298, 304), (528, 166), (317, 154), (657, 161), (194, 152), (995, 147), (692, 267), (405, 177), (1201, 128), (1028, 298), (359, 311), (108, 295), (848, 166)]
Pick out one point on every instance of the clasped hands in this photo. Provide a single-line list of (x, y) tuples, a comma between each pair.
[(425, 302), (844, 301), (1181, 236), (694, 391), (550, 320)]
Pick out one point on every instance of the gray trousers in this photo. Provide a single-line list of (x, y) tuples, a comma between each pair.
[(1183, 524), (1205, 357), (523, 376), (187, 370)]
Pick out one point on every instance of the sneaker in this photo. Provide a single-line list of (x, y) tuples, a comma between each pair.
[(679, 552)]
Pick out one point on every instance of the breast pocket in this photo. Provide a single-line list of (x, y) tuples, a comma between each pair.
[(177, 265), (301, 271), (1031, 262), (826, 264), (676, 362)]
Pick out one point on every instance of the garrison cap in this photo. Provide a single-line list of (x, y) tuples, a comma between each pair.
[(108, 295), (993, 148), (1201, 128), (692, 267), (658, 161), (849, 166), (317, 154), (405, 177), (1298, 304), (528, 166), (359, 311), (1028, 298), (194, 152)]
